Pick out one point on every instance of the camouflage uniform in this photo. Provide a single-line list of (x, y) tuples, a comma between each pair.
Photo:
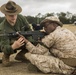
[(61, 44)]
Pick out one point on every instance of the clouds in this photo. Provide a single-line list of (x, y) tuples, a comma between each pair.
[(33, 7)]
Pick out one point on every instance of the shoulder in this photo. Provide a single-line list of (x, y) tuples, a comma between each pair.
[(21, 17)]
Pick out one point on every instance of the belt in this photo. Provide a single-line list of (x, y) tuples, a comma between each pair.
[(69, 61)]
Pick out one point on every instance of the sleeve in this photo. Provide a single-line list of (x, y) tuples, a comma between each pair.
[(5, 45), (49, 40), (38, 49)]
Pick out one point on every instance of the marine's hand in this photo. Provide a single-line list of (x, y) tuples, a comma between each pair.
[(25, 40), (18, 43)]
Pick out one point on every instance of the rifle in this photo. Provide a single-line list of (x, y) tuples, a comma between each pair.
[(36, 35)]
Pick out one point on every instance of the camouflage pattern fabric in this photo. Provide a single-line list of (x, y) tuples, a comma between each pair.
[(62, 44)]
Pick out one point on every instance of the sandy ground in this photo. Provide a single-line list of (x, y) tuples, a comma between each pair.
[(24, 68), (71, 27), (19, 68)]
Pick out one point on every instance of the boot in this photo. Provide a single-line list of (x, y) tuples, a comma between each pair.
[(21, 56), (5, 60)]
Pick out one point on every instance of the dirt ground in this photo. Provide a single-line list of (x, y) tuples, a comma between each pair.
[(19, 68), (24, 68), (71, 27)]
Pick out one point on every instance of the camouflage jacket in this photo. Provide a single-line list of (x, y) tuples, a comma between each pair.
[(61, 43)]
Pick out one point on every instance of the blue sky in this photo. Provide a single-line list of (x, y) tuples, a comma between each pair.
[(33, 7)]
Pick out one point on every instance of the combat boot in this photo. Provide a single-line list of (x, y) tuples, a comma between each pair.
[(5, 60), (21, 56)]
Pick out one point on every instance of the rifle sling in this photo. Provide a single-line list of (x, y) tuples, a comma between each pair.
[(69, 61), (43, 45)]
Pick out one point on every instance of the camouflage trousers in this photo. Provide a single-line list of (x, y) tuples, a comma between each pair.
[(49, 64)]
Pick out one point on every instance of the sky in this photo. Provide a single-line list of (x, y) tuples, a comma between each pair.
[(33, 7)]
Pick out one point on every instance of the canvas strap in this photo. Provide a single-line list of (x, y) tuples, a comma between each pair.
[(69, 61)]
